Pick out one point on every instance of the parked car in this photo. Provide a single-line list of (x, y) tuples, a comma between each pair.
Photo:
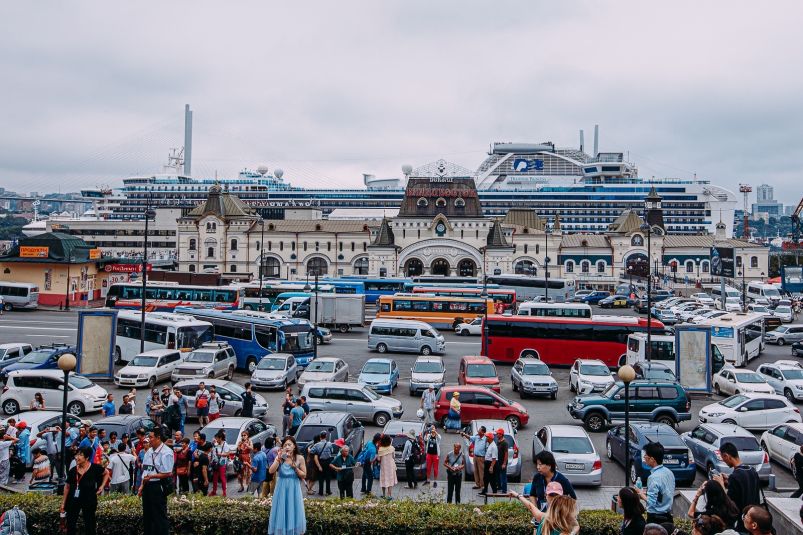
[(797, 349), (324, 335), (580, 294), (660, 295), (12, 353), (397, 429), (229, 392), (479, 371), (44, 357), (759, 309), (654, 371), (40, 420), (703, 298), (210, 361), (277, 370), (651, 401), (425, 372), (324, 369), (785, 380), (784, 334), (352, 398), (595, 297), (784, 313), (514, 458), (705, 442), (678, 457), (575, 455), (782, 442), (380, 374), (751, 411), (732, 304), (337, 425), (477, 402), (127, 423), (149, 368), (666, 316), (731, 381), (532, 377), (473, 327), (233, 428), (82, 395), (641, 306), (711, 314), (587, 376), (617, 301), (686, 317)]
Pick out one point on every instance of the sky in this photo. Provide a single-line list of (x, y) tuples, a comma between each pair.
[(92, 92)]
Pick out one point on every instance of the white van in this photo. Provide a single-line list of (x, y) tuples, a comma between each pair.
[(760, 290), (19, 295), (663, 349), (289, 306), (405, 336), (730, 291)]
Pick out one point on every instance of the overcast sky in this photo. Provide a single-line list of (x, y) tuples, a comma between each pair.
[(331, 90)]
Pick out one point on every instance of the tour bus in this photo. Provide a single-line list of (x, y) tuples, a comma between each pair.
[(716, 293), (760, 290), (663, 349), (443, 280), (561, 341), (166, 296), (527, 287), (439, 311), (271, 290), (506, 297), (410, 287), (253, 335), (162, 331), (566, 310), (737, 337), (342, 286), (19, 295), (375, 287)]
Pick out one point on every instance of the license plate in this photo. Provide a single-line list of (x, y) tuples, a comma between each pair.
[(671, 461), (541, 389), (575, 466)]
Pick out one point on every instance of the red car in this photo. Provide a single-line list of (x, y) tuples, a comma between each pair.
[(479, 371), (479, 403)]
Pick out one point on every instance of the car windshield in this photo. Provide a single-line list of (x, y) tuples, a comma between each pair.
[(733, 401), (373, 396), (321, 366), (793, 374), (732, 300), (784, 310), (597, 370), (758, 308), (772, 292), (307, 432), (271, 363), (427, 367), (477, 321), (537, 368), (201, 356), (80, 382), (659, 373), (376, 367), (749, 378), (611, 389), (37, 357), (232, 433), (742, 443), (777, 330), (147, 362), (574, 445), (481, 370)]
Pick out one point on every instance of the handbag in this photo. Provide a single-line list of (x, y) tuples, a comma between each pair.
[(376, 470), (168, 487), (237, 464), (182, 471)]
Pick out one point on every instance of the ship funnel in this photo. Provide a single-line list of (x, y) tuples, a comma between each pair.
[(187, 141)]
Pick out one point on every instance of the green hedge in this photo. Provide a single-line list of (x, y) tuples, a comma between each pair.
[(217, 516)]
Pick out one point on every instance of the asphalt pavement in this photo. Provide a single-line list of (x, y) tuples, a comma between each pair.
[(44, 327)]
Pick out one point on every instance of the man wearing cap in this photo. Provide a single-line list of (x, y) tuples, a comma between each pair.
[(480, 445), (428, 404), (409, 461), (503, 449), (491, 458)]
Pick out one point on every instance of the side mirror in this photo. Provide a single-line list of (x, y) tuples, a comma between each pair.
[(742, 409), (496, 404)]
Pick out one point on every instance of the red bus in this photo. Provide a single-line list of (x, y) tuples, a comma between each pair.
[(561, 341), (507, 298)]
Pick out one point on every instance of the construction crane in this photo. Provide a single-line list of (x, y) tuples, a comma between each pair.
[(795, 217), (746, 189)]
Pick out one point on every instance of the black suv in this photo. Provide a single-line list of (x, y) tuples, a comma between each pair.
[(651, 401)]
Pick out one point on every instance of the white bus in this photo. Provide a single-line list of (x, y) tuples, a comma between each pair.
[(19, 295), (663, 349), (737, 337), (528, 287), (562, 310), (162, 331)]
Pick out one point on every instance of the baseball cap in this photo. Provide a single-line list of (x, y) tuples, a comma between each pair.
[(489, 435), (554, 488), (500, 431)]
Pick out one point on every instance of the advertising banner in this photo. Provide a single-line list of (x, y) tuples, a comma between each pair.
[(126, 268), (34, 252), (94, 254), (722, 264)]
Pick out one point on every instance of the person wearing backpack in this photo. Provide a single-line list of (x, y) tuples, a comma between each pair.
[(367, 457), (202, 404), (410, 454), (121, 466)]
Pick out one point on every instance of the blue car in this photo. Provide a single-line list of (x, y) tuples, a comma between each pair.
[(677, 455), (595, 297), (44, 358), (380, 374)]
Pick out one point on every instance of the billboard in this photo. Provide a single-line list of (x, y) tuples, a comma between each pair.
[(722, 264), (94, 254), (34, 252)]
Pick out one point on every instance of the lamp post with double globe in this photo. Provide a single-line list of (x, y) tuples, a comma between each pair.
[(646, 229), (627, 374), (66, 363)]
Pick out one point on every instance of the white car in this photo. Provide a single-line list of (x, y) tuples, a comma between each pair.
[(751, 411), (587, 376), (83, 395), (732, 304), (686, 317), (427, 371), (703, 298), (784, 313), (793, 363), (786, 380), (731, 381), (782, 442), (759, 309), (147, 369), (683, 307), (711, 314), (465, 329)]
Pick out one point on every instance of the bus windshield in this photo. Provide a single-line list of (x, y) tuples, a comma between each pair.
[(193, 337)]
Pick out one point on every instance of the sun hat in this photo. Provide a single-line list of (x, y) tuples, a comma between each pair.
[(410, 433)]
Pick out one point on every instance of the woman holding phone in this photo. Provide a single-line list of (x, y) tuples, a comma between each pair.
[(287, 512)]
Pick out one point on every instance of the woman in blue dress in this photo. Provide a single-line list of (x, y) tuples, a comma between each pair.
[(287, 511)]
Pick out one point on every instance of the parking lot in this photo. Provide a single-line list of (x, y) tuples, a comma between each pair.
[(42, 327)]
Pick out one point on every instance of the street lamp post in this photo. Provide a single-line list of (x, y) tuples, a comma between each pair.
[(149, 213), (627, 374), (744, 297), (261, 262), (66, 363), (547, 232), (646, 228), (307, 289), (484, 296)]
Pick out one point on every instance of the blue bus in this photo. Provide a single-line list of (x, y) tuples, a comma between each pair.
[(409, 286), (374, 287), (253, 335), (344, 286)]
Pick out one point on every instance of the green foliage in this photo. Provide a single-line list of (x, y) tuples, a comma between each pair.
[(119, 515), (11, 227)]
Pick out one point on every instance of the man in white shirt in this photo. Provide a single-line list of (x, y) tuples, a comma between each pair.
[(121, 465), (491, 456), (157, 465), (5, 444)]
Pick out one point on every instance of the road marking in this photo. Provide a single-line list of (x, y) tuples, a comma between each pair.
[(35, 328), (45, 322), (464, 343), (48, 336)]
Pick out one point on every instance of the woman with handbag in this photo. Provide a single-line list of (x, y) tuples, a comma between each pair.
[(453, 420), (244, 447), (182, 466)]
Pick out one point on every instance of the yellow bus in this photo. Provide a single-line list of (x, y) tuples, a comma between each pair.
[(436, 310)]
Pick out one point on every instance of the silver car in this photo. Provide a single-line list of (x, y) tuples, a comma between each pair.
[(275, 371), (514, 460), (704, 442), (233, 428), (574, 453), (426, 372), (530, 376), (354, 398), (325, 369), (784, 334), (211, 360), (229, 392)]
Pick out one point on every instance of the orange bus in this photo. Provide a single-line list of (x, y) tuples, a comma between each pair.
[(435, 310), (504, 299)]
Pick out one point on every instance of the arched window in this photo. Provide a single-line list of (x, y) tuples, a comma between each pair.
[(317, 266), (738, 261), (210, 252), (414, 267), (637, 240), (467, 268), (585, 266), (193, 245), (753, 261), (440, 267), (233, 245), (361, 266), (525, 267), (271, 268), (601, 266), (705, 267), (569, 266), (689, 266)]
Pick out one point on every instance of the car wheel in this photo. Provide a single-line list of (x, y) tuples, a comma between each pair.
[(75, 408), (382, 348), (347, 378), (781, 341), (717, 390), (238, 413), (7, 307), (571, 386), (594, 422), (285, 384), (666, 419), (381, 419), (633, 473), (412, 392), (515, 388), (249, 307), (729, 422), (426, 351), (789, 395), (118, 356), (344, 328), (230, 374), (554, 395), (513, 421), (251, 365), (443, 421), (608, 449), (464, 332), (151, 383), (319, 340), (212, 375), (10, 407)]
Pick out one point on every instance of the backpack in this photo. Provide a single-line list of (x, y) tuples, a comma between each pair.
[(14, 522), (415, 452), (363, 456)]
